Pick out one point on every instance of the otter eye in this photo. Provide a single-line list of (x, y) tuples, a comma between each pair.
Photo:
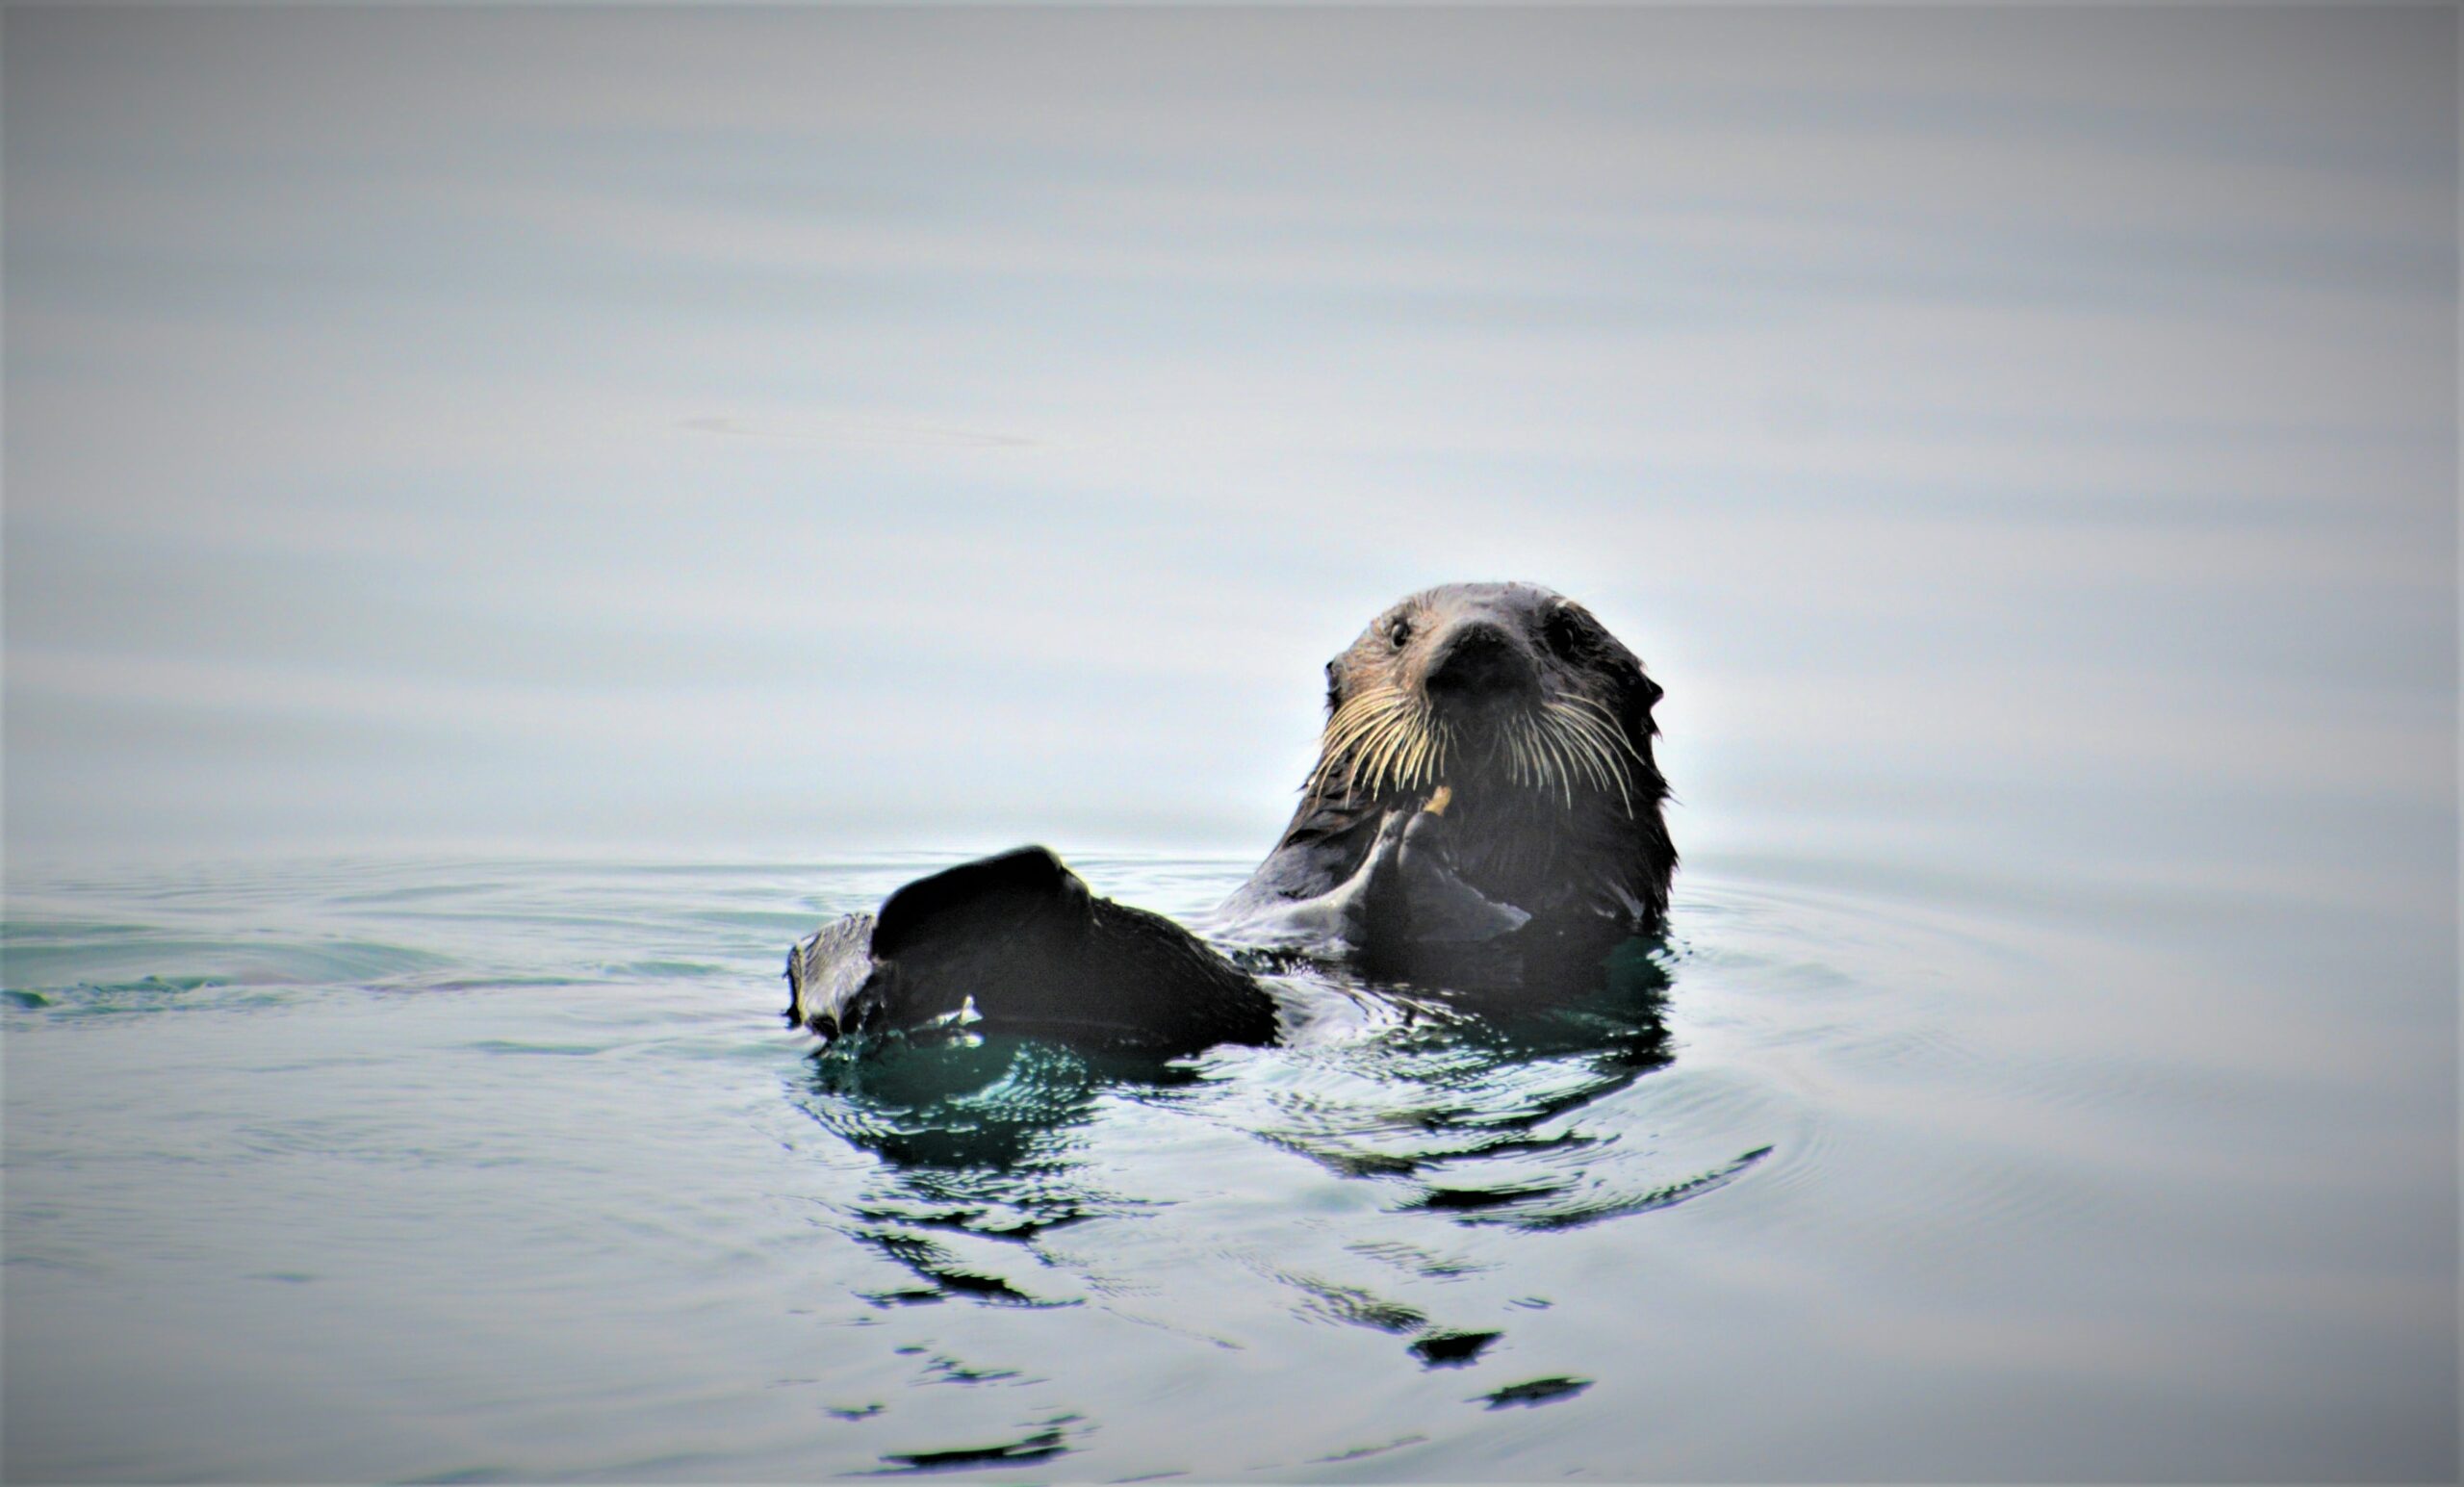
[(1562, 632), (1399, 630)]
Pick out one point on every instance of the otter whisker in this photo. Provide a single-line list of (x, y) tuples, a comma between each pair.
[(1577, 759), (1412, 758), (1576, 729), (1614, 777), (1428, 755), (1563, 729), (1386, 738), (1531, 744), (1352, 735), (1355, 758), (1419, 758), (1594, 720), (1613, 736), (1611, 727), (1386, 751), (1583, 731), (1616, 766), (1565, 768), (1346, 731), (1361, 717), (1535, 745), (1372, 755), (1551, 764), (1578, 750), (1376, 700)]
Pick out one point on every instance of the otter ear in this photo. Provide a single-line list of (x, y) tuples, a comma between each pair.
[(1645, 695), (1334, 685)]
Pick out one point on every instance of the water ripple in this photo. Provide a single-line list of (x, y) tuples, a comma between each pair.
[(476, 1130)]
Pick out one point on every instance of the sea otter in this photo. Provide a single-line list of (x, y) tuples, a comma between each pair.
[(1485, 810), (1486, 773)]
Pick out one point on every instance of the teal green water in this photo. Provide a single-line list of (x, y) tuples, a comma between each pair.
[(424, 1168)]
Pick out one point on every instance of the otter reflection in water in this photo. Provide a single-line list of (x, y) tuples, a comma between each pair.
[(1484, 814), (1005, 1171)]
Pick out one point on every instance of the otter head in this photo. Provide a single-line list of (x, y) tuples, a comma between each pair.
[(1514, 711)]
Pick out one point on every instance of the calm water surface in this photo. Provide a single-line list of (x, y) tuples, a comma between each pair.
[(434, 1169), (2022, 439)]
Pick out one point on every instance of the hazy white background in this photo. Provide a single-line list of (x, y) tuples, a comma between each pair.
[(721, 430)]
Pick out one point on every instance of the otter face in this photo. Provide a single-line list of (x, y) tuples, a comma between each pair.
[(1494, 692)]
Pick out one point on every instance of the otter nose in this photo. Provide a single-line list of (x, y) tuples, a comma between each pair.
[(1476, 660)]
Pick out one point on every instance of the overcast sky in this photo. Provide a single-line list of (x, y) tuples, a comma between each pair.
[(790, 429)]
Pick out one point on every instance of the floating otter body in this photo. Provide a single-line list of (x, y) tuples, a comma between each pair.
[(1484, 812), (1015, 943)]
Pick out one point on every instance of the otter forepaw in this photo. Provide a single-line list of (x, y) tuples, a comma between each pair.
[(1440, 905)]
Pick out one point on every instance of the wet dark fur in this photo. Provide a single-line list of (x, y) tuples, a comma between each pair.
[(1017, 943)]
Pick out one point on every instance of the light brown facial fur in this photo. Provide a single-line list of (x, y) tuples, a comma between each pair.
[(1487, 687)]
